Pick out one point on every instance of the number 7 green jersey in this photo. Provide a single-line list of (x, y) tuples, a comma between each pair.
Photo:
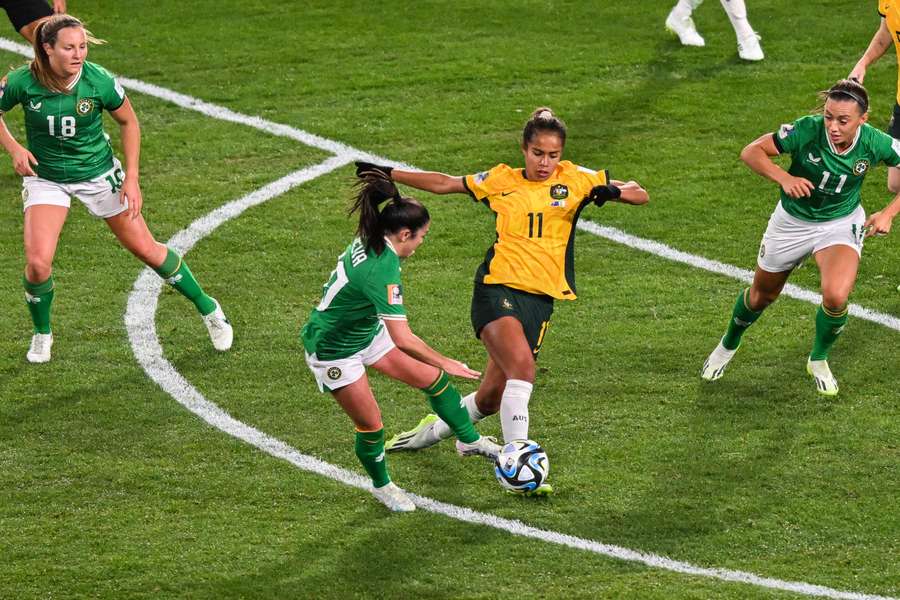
[(837, 176), (65, 131)]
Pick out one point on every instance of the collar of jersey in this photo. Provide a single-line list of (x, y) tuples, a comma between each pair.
[(852, 146), (388, 243), (75, 81)]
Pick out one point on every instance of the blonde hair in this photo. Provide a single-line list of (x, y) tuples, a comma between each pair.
[(47, 32)]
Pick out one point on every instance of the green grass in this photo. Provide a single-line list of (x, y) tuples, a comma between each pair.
[(111, 489)]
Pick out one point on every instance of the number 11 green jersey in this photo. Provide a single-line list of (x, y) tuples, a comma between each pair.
[(837, 176), (65, 131)]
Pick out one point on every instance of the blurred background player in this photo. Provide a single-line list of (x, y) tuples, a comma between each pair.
[(25, 14), (680, 22), (361, 322), (63, 97), (527, 268), (819, 213)]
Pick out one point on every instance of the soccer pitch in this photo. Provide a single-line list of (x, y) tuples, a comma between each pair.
[(115, 490)]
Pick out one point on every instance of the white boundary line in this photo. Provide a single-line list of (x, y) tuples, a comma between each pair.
[(141, 326)]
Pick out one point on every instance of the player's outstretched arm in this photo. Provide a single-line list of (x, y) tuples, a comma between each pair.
[(758, 156), (430, 181), (413, 345), (632, 192), (877, 47), (880, 223)]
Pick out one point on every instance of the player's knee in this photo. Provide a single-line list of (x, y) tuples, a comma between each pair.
[(38, 269), (835, 299), (761, 299), (146, 252)]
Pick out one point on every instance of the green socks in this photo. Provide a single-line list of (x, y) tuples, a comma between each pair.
[(176, 272), (370, 451), (39, 297), (741, 318), (829, 325), (447, 403)]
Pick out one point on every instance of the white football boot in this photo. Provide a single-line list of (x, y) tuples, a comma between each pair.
[(394, 498), (749, 48), (485, 446), (220, 331), (419, 437), (683, 27), (715, 364), (826, 384), (39, 352)]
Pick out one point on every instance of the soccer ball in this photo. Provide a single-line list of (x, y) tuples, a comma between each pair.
[(521, 466)]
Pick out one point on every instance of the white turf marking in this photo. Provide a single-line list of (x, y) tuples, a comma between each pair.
[(141, 325)]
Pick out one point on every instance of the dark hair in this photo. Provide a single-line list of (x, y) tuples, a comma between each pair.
[(47, 32), (399, 213), (543, 119), (847, 89)]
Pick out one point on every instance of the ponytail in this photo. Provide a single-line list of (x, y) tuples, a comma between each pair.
[(47, 32), (400, 213)]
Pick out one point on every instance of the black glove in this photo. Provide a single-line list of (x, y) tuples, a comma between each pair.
[(601, 193), (367, 167)]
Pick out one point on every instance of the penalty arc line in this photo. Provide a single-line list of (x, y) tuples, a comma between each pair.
[(141, 327)]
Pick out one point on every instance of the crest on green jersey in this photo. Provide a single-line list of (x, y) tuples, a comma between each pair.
[(860, 167), (559, 192), (84, 106)]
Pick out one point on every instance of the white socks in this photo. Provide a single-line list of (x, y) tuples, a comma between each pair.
[(684, 8), (514, 410), (737, 13), (443, 431)]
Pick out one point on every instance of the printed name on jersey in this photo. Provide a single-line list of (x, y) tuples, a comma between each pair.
[(559, 191), (860, 167), (84, 106), (357, 252), (785, 130), (480, 177), (394, 293)]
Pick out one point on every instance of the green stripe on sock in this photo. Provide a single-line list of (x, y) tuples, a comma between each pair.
[(829, 325), (447, 403), (177, 273)]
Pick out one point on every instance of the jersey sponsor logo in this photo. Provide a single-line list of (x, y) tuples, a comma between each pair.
[(813, 159), (505, 194), (860, 167), (334, 373), (394, 293), (559, 191), (33, 106), (84, 106), (480, 177), (785, 130)]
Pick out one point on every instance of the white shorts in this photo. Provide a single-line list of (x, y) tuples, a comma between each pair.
[(99, 195), (335, 374), (788, 240)]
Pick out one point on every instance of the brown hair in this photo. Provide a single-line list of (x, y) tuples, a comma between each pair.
[(47, 32), (400, 213), (543, 119), (844, 90)]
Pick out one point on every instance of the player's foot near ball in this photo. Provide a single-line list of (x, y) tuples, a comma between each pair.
[(220, 331), (485, 446), (715, 364), (394, 498), (39, 352), (684, 28), (541, 491), (826, 384)]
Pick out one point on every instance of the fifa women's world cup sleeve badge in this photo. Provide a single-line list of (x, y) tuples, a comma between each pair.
[(84, 106)]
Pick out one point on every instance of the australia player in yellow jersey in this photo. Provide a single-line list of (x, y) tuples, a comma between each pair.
[(528, 267), (888, 32)]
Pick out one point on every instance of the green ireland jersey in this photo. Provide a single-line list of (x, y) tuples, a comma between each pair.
[(837, 176), (65, 131), (363, 289)]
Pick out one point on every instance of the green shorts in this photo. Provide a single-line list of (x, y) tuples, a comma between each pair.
[(492, 301)]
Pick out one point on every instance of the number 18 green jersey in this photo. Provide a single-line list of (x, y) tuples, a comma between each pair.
[(65, 131), (837, 176)]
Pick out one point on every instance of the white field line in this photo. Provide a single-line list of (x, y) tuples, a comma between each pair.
[(141, 326)]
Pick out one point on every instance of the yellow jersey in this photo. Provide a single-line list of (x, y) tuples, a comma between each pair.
[(535, 222), (890, 12)]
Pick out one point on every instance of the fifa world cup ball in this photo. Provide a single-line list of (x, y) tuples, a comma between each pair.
[(521, 466)]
